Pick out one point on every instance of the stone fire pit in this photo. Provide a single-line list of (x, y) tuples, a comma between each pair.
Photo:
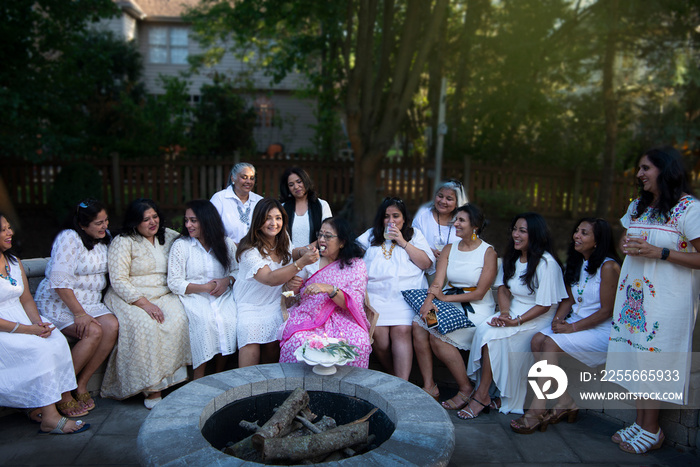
[(171, 435)]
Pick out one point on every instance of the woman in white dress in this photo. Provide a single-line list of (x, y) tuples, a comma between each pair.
[(591, 274), (657, 300), (391, 270), (71, 294), (37, 370), (434, 219), (305, 210), (236, 202), (530, 285), (265, 258), (466, 271), (153, 349), (201, 270)]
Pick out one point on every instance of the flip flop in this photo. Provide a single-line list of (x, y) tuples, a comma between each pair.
[(62, 423), (84, 398), (72, 405)]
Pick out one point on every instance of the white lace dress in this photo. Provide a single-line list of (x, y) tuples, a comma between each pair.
[(212, 319), (72, 266), (34, 371), (259, 305)]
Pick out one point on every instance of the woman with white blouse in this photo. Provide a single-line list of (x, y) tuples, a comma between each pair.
[(236, 202), (201, 269), (397, 257), (435, 219), (305, 210)]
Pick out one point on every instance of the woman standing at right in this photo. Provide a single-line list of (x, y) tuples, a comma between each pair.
[(656, 303)]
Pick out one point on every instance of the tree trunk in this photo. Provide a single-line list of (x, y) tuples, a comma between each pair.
[(610, 106)]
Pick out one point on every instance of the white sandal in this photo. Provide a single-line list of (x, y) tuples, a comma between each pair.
[(644, 442), (624, 435)]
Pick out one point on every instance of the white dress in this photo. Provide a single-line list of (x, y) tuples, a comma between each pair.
[(73, 267), (212, 320), (426, 223), (657, 303), (34, 371), (589, 346), (235, 214), (300, 226), (388, 277), (509, 347), (464, 270), (259, 305)]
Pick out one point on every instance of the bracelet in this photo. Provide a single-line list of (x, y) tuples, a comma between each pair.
[(296, 266), (573, 326), (334, 293), (78, 316), (520, 321), (15, 328)]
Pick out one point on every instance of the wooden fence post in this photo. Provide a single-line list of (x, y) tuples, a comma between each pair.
[(576, 193), (116, 185)]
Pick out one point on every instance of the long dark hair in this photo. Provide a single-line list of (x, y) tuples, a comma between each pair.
[(211, 229), (351, 249), (85, 212), (378, 224), (254, 239), (539, 241), (8, 254), (286, 195), (134, 216), (605, 248), (672, 182)]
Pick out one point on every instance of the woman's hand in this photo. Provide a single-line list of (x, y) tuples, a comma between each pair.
[(40, 329), (562, 327), (294, 284), (219, 286), (503, 320), (315, 289), (310, 256), (152, 310), (397, 236), (637, 246), (425, 309), (82, 325), (437, 292)]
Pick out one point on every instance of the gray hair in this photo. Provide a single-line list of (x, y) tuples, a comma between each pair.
[(237, 169), (455, 186)]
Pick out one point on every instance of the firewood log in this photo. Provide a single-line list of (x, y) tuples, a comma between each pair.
[(305, 447)]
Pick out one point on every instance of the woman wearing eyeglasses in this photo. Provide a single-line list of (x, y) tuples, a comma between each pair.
[(397, 256), (435, 220), (332, 297)]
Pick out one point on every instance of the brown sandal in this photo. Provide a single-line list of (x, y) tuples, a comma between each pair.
[(85, 399), (521, 425), (449, 404), (71, 409), (431, 392)]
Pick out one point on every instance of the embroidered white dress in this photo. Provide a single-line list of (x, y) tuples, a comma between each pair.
[(235, 214), (212, 320), (34, 371), (589, 346), (426, 223), (509, 347), (656, 303), (73, 267), (388, 277), (149, 356), (464, 270), (301, 228), (259, 305)]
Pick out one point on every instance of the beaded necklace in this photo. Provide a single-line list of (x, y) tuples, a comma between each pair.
[(387, 254), (8, 277), (579, 299)]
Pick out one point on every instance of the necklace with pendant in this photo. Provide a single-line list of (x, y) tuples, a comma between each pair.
[(579, 299), (387, 254), (8, 277)]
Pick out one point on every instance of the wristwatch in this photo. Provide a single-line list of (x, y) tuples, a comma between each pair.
[(664, 254)]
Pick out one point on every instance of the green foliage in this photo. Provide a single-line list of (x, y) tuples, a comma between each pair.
[(502, 204), (76, 181)]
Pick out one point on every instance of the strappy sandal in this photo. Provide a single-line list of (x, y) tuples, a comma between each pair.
[(644, 442), (624, 435), (450, 404), (469, 414), (431, 392), (521, 425), (570, 414), (71, 409), (85, 399), (495, 403)]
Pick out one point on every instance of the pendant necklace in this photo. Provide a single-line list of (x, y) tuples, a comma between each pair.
[(8, 277), (244, 216), (579, 299)]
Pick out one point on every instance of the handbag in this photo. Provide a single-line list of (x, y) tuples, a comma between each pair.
[(450, 317)]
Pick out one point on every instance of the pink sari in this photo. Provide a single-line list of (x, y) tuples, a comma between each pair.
[(318, 314)]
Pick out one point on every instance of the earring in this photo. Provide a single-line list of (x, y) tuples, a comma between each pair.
[(474, 237)]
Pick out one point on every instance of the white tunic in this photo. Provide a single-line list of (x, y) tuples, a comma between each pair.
[(34, 371), (228, 204), (259, 305), (431, 230), (300, 226), (73, 267), (388, 277), (212, 320), (509, 347)]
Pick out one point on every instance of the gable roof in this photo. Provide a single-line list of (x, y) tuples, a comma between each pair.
[(156, 10)]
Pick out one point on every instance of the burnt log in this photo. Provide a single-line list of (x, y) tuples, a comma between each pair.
[(282, 418), (320, 444)]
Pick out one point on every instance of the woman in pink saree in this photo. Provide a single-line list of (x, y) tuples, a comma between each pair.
[(331, 299)]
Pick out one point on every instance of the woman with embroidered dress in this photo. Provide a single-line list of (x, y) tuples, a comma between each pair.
[(70, 295), (581, 325), (530, 286), (464, 274), (391, 270), (237, 201), (657, 297), (435, 219), (332, 298), (265, 258), (37, 369), (305, 210), (153, 349), (201, 269)]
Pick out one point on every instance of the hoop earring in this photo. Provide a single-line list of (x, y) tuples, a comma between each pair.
[(474, 237)]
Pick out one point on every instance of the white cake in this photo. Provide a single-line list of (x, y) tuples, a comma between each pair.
[(315, 349)]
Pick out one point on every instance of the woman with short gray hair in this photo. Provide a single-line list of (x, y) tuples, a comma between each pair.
[(236, 202)]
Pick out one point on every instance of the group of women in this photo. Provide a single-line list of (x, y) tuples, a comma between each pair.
[(215, 288)]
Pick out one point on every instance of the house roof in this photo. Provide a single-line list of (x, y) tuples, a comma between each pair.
[(156, 10)]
